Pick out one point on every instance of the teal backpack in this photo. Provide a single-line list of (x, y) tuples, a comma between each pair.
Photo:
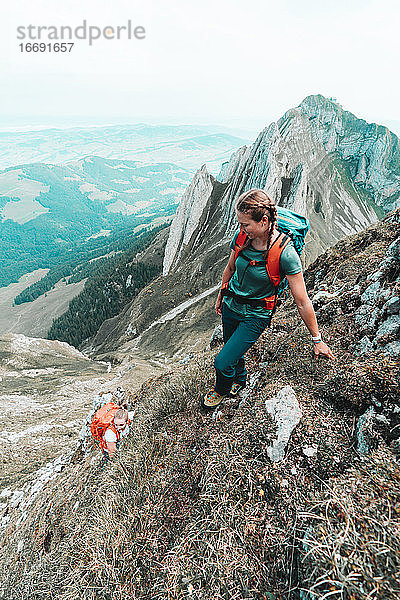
[(294, 225)]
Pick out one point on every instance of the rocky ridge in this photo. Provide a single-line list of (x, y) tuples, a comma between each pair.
[(318, 160)]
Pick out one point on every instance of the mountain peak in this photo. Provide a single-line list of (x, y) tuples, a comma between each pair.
[(319, 99), (315, 105)]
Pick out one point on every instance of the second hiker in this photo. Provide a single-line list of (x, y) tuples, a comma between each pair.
[(117, 430), (247, 298), (109, 425)]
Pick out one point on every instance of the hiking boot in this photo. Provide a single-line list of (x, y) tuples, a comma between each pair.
[(236, 388), (212, 400)]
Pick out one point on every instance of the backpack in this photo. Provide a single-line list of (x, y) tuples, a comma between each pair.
[(292, 227), (102, 420)]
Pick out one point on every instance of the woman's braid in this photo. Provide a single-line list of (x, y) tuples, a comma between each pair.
[(273, 217)]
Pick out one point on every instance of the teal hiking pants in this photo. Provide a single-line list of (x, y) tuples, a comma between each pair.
[(239, 333)]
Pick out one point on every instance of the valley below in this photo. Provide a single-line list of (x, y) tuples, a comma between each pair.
[(34, 318)]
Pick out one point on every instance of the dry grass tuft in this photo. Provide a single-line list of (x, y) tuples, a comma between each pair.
[(351, 543)]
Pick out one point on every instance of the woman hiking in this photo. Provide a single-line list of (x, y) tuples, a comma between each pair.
[(244, 301)]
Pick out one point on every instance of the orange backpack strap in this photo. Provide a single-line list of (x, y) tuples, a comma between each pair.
[(240, 240), (274, 256), (271, 266)]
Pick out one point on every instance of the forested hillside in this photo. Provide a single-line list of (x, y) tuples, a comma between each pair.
[(34, 245), (86, 259), (111, 283), (47, 211)]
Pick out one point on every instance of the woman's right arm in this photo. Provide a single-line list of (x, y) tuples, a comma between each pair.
[(226, 275)]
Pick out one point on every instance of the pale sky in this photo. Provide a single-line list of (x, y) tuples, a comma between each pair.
[(230, 62)]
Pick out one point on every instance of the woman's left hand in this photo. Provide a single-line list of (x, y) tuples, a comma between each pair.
[(322, 350), (306, 311)]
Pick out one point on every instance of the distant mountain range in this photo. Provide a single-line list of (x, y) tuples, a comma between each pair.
[(188, 146), (46, 208), (89, 185)]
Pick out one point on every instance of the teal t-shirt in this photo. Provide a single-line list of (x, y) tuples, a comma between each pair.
[(253, 282)]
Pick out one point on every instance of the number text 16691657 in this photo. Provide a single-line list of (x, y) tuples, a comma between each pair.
[(46, 47)]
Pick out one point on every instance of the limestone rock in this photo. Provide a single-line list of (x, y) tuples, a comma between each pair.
[(366, 318), (392, 349), (364, 431), (378, 315), (365, 345), (366, 147), (371, 294), (384, 294), (187, 217), (310, 451), (252, 383), (284, 408), (392, 306), (389, 327), (375, 276), (394, 249)]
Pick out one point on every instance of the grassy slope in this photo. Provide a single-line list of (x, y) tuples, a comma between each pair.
[(193, 508)]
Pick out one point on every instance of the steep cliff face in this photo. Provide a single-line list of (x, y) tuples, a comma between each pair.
[(318, 160), (370, 151), (188, 215)]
